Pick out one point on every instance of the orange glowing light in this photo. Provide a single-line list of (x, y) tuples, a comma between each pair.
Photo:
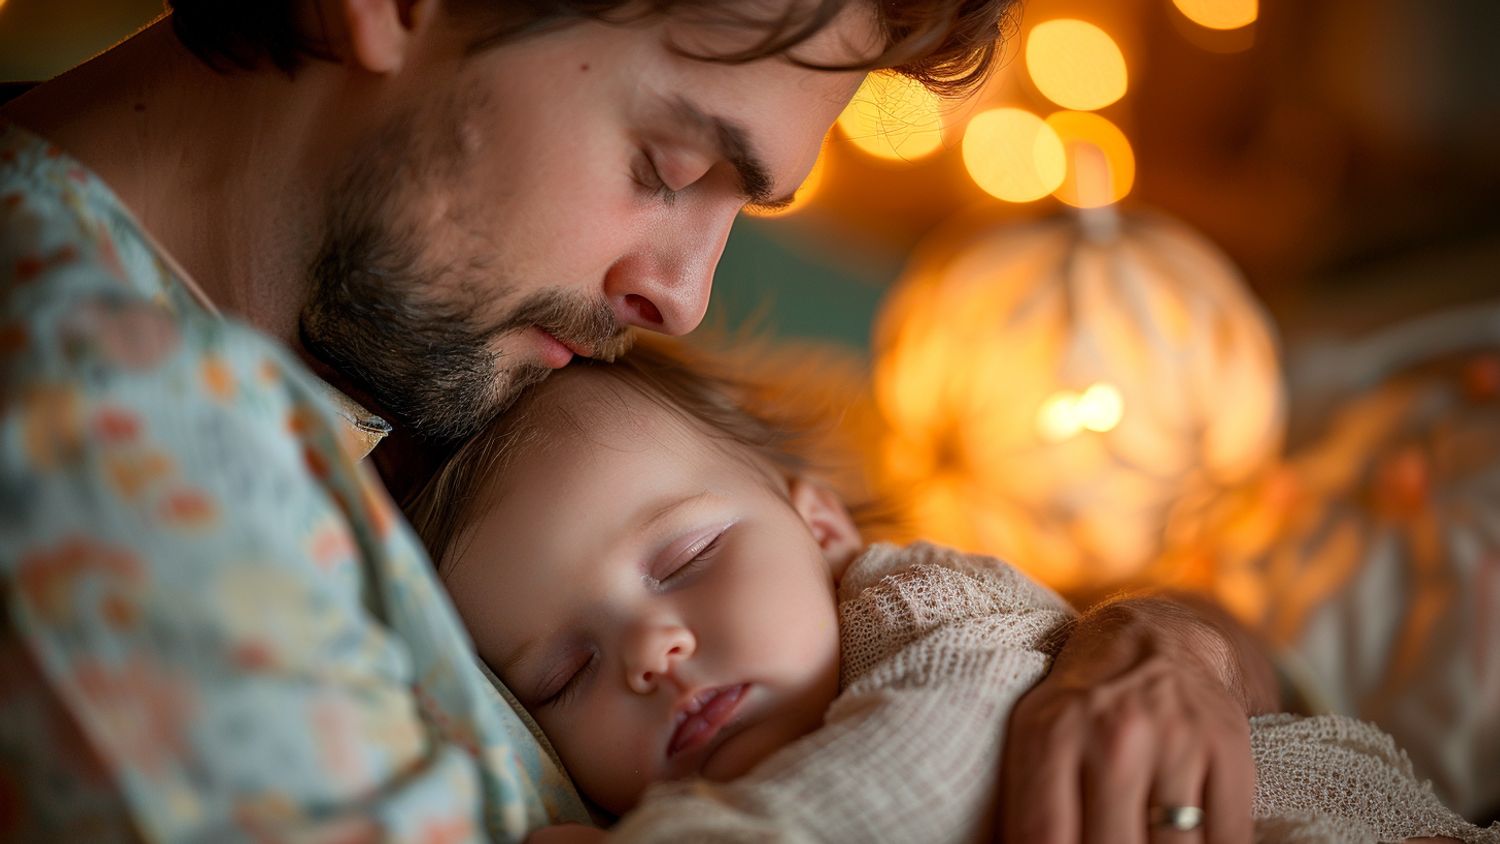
[(1100, 161), (1057, 419), (894, 118), (1075, 64), (1013, 155), (1220, 14), (1066, 414), (1100, 408)]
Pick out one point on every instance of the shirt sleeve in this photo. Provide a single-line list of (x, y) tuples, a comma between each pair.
[(215, 627), (937, 647)]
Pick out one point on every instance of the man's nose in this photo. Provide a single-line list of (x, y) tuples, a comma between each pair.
[(664, 284), (653, 654)]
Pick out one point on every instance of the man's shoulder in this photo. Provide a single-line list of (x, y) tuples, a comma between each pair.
[(99, 341), (89, 303), (65, 235)]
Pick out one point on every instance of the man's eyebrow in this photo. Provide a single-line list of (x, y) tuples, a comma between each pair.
[(732, 142)]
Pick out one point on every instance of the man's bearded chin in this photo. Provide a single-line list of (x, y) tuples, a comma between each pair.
[(425, 363)]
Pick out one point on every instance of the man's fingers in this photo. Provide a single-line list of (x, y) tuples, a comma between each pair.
[(1230, 788), (1041, 787), (1107, 762), (1163, 812), (1181, 771), (1113, 815), (1117, 779)]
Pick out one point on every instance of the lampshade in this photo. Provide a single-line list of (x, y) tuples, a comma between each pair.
[(1052, 390)]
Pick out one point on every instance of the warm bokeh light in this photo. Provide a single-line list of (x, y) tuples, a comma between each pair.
[(1066, 413), (805, 191), (893, 117), (1057, 418), (1013, 155), (1100, 408), (1220, 14), (1100, 161), (1075, 64)]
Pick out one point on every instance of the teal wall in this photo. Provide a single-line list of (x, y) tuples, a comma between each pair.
[(780, 285)]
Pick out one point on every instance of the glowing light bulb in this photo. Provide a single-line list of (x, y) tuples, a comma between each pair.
[(1220, 14), (1100, 161), (1100, 408), (1057, 419), (1013, 155), (894, 118), (1075, 64)]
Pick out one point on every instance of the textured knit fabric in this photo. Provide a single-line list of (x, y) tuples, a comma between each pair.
[(1334, 778), (215, 627), (937, 647)]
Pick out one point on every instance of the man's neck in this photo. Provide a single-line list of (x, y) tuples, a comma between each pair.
[(224, 170)]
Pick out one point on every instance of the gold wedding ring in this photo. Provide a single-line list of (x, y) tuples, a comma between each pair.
[(1176, 818)]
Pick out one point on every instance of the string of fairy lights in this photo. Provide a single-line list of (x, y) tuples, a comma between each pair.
[(1010, 151)]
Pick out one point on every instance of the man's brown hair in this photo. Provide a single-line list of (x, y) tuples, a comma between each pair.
[(947, 45)]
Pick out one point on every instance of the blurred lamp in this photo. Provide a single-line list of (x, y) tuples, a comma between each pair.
[(1052, 390)]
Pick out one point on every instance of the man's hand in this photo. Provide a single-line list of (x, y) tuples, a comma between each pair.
[(1145, 708)]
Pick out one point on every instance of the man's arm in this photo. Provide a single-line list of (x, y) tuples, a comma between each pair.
[(1146, 707)]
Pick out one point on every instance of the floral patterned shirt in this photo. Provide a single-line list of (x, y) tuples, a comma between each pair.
[(215, 626)]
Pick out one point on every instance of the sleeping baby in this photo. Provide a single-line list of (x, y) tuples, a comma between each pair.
[(697, 627)]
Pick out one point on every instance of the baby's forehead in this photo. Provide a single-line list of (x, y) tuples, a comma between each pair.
[(591, 398), (593, 405), (588, 406)]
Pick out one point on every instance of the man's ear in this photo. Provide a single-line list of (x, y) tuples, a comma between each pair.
[(379, 33), (828, 520)]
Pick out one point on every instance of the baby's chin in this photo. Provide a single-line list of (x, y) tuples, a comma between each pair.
[(741, 752)]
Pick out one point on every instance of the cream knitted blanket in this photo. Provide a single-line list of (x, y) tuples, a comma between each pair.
[(937, 648)]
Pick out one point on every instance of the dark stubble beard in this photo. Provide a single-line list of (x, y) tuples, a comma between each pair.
[(373, 312)]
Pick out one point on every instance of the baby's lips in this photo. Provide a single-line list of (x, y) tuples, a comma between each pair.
[(703, 716)]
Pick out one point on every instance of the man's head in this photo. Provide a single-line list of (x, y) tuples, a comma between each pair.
[(646, 564), (517, 183)]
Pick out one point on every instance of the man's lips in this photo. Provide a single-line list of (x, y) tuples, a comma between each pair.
[(701, 716), (557, 352)]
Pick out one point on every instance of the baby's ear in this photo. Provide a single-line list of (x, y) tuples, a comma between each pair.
[(828, 520)]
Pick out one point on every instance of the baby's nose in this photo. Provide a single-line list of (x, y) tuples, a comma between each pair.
[(657, 653)]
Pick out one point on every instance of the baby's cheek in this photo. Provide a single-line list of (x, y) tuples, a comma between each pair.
[(608, 758)]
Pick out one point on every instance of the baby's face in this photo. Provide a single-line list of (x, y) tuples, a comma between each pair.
[(662, 608)]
